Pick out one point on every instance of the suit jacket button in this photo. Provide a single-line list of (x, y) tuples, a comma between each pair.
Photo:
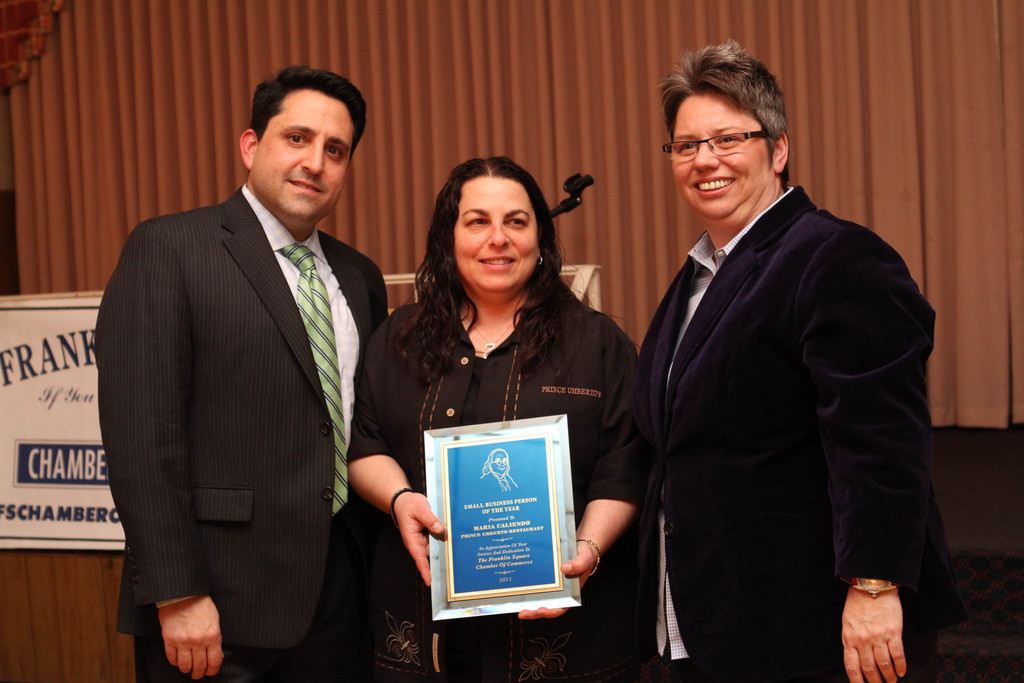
[(670, 529), (325, 428), (135, 578), (450, 412), (327, 493)]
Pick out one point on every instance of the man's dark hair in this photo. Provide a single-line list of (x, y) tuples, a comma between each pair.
[(266, 101)]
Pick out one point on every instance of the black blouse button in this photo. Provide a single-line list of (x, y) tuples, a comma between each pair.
[(670, 529)]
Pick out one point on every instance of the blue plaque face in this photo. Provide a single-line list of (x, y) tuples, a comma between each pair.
[(500, 490), (501, 529)]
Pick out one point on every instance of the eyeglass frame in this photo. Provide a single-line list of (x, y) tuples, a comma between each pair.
[(667, 147)]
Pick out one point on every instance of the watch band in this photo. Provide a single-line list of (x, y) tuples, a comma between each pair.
[(873, 586)]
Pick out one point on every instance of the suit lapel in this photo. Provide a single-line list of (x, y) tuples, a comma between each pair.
[(656, 354), (247, 243), (675, 314), (743, 262), (720, 293)]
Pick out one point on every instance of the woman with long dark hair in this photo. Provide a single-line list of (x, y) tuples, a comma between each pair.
[(497, 335)]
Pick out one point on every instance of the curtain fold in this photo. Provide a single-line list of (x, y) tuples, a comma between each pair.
[(903, 116), (1011, 59)]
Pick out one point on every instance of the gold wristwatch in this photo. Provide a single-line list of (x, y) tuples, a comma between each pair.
[(873, 586)]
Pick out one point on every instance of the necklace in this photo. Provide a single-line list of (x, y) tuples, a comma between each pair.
[(489, 345)]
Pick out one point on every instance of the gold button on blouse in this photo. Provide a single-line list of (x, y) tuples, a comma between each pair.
[(464, 361), (450, 412)]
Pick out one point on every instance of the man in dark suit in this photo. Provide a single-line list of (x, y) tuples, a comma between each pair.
[(226, 462), (790, 531)]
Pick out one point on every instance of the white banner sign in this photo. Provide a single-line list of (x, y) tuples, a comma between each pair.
[(53, 469)]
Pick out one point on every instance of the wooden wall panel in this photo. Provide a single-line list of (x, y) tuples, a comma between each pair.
[(57, 618), (17, 645)]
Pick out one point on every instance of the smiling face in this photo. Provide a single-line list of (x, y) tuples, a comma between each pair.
[(299, 166), (495, 236), (726, 192)]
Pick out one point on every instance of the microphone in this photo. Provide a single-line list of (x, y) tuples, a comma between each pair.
[(577, 183), (574, 185)]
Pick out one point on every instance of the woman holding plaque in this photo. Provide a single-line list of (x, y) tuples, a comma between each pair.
[(497, 335)]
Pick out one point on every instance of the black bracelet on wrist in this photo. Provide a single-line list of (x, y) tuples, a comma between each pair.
[(393, 499)]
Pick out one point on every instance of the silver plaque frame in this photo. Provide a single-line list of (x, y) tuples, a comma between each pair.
[(504, 493)]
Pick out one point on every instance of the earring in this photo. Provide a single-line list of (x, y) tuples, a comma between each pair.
[(540, 260)]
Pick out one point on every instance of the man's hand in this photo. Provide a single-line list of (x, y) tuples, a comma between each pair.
[(191, 633), (873, 637)]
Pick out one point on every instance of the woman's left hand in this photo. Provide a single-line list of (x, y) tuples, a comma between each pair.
[(604, 520), (579, 567)]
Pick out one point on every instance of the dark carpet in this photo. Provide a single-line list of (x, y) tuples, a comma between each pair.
[(979, 483)]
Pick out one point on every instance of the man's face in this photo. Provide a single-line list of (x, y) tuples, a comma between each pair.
[(726, 192), (298, 168)]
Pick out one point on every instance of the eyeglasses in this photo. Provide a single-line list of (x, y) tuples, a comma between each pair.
[(720, 145)]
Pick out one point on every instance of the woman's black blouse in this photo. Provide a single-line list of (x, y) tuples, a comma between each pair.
[(588, 377)]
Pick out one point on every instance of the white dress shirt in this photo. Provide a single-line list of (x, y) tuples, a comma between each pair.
[(345, 332)]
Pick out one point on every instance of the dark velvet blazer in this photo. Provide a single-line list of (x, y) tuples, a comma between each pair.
[(215, 428), (793, 446)]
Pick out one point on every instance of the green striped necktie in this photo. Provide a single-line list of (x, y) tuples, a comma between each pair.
[(316, 314)]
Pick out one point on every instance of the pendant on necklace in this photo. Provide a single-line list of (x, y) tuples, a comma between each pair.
[(489, 346)]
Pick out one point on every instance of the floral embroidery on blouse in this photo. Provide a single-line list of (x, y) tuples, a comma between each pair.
[(542, 659), (402, 645)]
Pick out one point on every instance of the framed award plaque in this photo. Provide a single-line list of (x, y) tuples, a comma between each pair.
[(504, 493)]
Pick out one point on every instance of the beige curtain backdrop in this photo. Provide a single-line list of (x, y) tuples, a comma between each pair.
[(904, 115)]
